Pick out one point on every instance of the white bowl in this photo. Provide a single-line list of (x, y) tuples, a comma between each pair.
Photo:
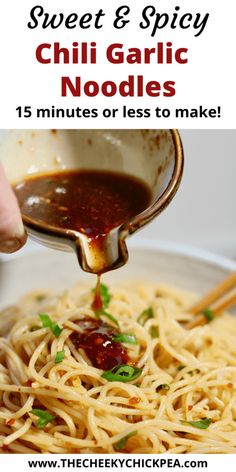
[(186, 267)]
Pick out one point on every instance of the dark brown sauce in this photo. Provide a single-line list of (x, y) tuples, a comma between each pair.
[(97, 301), (91, 202), (96, 339)]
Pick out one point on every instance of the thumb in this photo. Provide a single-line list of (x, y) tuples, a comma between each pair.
[(12, 233)]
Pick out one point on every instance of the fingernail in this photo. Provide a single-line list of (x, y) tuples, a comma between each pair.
[(13, 244), (20, 230)]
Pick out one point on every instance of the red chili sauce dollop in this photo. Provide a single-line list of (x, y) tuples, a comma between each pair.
[(97, 341)]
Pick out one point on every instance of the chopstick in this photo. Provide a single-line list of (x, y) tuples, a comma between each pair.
[(219, 299)]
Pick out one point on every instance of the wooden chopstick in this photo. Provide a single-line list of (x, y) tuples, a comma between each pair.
[(224, 303), (215, 294), (219, 299)]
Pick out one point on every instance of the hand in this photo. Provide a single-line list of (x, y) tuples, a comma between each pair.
[(12, 233)]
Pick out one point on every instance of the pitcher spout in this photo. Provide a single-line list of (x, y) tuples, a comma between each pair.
[(102, 254)]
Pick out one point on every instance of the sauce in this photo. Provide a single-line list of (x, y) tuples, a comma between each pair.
[(97, 301), (91, 202), (96, 339)]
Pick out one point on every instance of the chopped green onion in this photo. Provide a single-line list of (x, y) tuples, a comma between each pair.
[(163, 387), (145, 315), (44, 417), (35, 328), (209, 315), (201, 424), (194, 372), (122, 442), (56, 330), (45, 320), (125, 338), (105, 295), (40, 298), (100, 313), (154, 332), (180, 367), (48, 323), (122, 373), (59, 357)]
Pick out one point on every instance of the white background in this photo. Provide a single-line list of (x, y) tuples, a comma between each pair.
[(165, 462), (208, 79), (203, 212)]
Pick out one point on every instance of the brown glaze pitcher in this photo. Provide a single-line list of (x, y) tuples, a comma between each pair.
[(155, 156)]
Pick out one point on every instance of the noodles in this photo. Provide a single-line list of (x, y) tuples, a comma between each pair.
[(176, 393)]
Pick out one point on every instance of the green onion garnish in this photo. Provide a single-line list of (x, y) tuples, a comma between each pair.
[(154, 332), (44, 417), (40, 297), (145, 315), (34, 328), (122, 442), (209, 315), (163, 387), (59, 357), (194, 372), (48, 323), (125, 338), (201, 424), (180, 367), (105, 295), (100, 313), (122, 373), (106, 298)]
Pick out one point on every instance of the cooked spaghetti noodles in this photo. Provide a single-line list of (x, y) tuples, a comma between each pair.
[(180, 396)]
